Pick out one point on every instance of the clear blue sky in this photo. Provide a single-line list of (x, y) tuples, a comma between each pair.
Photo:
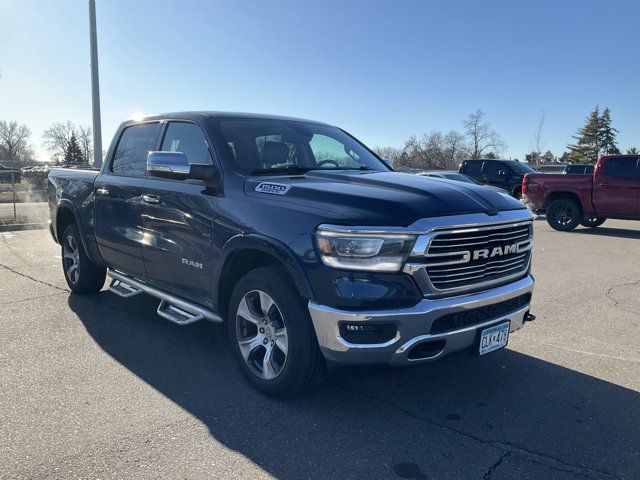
[(382, 70)]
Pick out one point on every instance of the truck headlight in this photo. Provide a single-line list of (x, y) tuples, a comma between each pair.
[(379, 252)]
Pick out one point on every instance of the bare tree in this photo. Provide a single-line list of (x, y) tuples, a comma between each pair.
[(388, 153), (481, 136), (456, 148), (85, 140), (534, 157), (538, 136), (14, 143), (57, 137), (415, 153)]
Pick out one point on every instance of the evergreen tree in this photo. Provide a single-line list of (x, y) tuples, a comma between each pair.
[(587, 147), (73, 154), (548, 157), (632, 151), (607, 134), (533, 157)]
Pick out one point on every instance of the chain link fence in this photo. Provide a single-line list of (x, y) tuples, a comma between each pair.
[(23, 195)]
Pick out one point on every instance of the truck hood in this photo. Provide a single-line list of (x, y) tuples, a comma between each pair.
[(379, 198)]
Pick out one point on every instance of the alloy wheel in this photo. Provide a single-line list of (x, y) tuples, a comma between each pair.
[(71, 259), (262, 334), (563, 215)]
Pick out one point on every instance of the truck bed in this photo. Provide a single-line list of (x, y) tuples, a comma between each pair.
[(72, 187), (541, 185)]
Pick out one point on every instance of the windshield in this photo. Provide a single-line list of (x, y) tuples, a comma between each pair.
[(268, 146), (519, 167)]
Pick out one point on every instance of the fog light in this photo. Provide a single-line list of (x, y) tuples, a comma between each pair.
[(367, 333)]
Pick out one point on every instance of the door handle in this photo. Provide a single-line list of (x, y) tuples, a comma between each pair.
[(146, 198), (102, 191)]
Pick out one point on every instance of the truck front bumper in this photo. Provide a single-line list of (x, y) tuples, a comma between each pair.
[(415, 339)]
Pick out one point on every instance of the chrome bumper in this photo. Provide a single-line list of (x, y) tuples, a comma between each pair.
[(413, 326)]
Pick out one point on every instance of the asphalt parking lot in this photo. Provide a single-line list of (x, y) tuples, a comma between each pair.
[(101, 387)]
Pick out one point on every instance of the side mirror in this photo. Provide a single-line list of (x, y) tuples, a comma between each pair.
[(168, 165), (174, 165)]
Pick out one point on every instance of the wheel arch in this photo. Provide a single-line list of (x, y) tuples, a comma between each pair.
[(244, 253), (66, 214), (564, 196)]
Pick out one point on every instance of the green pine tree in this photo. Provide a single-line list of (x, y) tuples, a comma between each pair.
[(548, 157), (587, 147), (607, 134), (73, 155), (632, 151)]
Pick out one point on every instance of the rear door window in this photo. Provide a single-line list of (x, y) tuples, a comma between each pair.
[(493, 168), (622, 167), (130, 158), (473, 168)]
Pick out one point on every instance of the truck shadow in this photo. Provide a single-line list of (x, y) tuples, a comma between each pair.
[(610, 232), (430, 421)]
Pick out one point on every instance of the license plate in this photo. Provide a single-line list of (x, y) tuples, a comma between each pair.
[(493, 338)]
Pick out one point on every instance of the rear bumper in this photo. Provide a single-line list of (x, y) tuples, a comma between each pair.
[(413, 327)]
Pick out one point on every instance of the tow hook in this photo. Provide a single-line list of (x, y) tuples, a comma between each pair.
[(529, 317)]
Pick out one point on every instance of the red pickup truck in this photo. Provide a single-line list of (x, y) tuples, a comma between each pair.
[(571, 200)]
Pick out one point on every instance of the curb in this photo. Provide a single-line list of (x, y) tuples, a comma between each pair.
[(22, 226)]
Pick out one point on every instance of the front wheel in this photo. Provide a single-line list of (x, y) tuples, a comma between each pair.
[(563, 214), (593, 222), (272, 334), (81, 274)]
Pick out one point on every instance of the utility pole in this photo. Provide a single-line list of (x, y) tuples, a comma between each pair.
[(95, 87)]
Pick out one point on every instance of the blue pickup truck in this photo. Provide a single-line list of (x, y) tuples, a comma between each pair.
[(299, 238)]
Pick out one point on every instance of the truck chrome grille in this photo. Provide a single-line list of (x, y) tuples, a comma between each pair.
[(470, 258)]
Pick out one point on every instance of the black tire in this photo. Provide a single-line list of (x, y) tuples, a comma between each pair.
[(563, 214), (87, 277), (304, 367), (593, 222)]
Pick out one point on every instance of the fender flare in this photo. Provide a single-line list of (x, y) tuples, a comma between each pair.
[(68, 204), (584, 204), (273, 247)]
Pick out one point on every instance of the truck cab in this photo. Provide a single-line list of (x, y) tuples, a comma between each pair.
[(506, 174)]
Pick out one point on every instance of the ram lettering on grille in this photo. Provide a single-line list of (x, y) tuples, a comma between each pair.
[(467, 258)]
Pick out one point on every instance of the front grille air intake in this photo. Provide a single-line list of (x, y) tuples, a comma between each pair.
[(470, 258)]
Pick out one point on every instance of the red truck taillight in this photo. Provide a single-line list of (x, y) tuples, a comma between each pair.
[(525, 183)]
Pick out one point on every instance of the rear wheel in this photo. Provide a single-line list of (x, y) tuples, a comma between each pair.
[(272, 334), (593, 222), (563, 214), (81, 274)]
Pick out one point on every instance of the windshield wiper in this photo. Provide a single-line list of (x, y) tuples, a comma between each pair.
[(298, 170), (333, 169), (292, 169)]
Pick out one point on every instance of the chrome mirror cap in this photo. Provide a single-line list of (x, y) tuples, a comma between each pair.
[(168, 164)]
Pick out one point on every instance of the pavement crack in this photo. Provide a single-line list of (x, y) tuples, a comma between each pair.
[(13, 270), (616, 303), (489, 473), (22, 300), (508, 448)]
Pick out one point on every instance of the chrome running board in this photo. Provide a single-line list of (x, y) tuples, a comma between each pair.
[(174, 309), (123, 290)]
